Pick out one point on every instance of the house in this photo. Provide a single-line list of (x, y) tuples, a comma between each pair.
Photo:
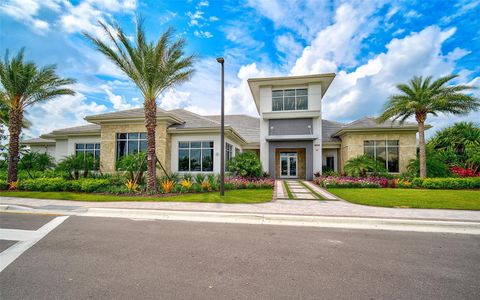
[(290, 136)]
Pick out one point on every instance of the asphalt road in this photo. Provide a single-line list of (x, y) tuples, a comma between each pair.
[(102, 258)]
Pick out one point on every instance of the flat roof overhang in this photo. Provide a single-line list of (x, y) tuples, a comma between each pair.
[(255, 83), (303, 137)]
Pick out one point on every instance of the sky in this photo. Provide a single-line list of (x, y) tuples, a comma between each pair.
[(370, 45)]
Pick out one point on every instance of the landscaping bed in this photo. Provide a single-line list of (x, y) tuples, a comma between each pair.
[(412, 198)]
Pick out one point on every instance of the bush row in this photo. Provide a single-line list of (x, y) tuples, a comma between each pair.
[(351, 182), (447, 183), (61, 184)]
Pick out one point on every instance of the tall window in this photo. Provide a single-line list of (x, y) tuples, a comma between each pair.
[(88, 149), (292, 99), (131, 143), (195, 156), (385, 152), (228, 154)]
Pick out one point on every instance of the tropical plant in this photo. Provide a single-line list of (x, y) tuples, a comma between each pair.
[(34, 161), (134, 164), (186, 183), (246, 164), (153, 67), (436, 167), (22, 85), (421, 97), (360, 165), (76, 165), (131, 185), (167, 186)]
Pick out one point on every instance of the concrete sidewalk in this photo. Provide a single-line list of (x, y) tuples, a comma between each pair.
[(284, 207)]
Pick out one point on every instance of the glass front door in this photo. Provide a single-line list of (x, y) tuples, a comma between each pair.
[(288, 164)]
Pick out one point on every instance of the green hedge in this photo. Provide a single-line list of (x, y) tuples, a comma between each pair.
[(61, 184), (447, 183)]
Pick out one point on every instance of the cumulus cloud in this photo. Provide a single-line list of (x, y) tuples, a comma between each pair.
[(61, 112), (364, 90), (26, 11), (118, 101)]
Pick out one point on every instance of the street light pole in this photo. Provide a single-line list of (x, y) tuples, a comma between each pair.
[(222, 133)]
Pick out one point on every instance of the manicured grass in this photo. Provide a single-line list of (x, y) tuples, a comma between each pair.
[(233, 196), (415, 198), (287, 188)]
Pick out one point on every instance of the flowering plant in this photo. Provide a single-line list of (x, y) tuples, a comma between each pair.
[(249, 183), (463, 172), (351, 182), (168, 185)]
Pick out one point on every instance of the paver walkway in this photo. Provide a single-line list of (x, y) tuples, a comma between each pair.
[(299, 191)]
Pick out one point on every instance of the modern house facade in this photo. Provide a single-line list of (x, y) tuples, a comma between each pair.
[(290, 136)]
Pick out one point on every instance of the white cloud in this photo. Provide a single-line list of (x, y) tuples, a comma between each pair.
[(338, 44), (203, 34), (365, 90), (61, 112), (172, 99), (118, 101), (26, 11), (289, 47), (305, 18), (85, 15)]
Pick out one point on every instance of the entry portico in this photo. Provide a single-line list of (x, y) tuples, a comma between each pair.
[(290, 112)]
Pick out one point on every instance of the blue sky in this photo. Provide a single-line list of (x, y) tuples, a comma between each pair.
[(370, 45)]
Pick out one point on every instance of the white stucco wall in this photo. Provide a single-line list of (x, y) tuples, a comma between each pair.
[(67, 147), (176, 138), (265, 106), (49, 149), (314, 104)]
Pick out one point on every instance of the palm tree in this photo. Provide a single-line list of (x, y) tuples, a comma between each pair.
[(421, 97), (153, 67), (22, 85)]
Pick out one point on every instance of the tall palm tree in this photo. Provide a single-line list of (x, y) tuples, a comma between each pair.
[(421, 97), (22, 85), (153, 67)]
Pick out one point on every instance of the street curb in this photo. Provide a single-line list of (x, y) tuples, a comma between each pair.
[(414, 225)]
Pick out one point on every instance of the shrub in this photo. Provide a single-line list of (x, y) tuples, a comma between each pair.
[(451, 183), (199, 178), (206, 186), (34, 161), (134, 165), (167, 186), (132, 186), (186, 184), (76, 165), (249, 183), (3, 185), (351, 182), (435, 167), (463, 172), (246, 164), (61, 184), (361, 165)]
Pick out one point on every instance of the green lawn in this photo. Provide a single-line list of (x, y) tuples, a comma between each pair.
[(415, 198), (233, 196)]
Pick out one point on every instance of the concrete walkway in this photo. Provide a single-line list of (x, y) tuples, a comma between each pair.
[(287, 207)]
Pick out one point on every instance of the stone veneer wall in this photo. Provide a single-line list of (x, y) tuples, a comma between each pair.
[(108, 149), (352, 145)]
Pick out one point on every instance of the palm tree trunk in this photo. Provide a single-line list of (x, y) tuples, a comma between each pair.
[(150, 106), (421, 146), (14, 128)]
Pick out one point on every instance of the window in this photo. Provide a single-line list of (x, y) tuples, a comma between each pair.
[(131, 143), (88, 149), (291, 99), (195, 156), (385, 152), (330, 163), (228, 154)]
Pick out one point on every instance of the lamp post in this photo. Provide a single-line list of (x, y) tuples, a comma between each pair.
[(222, 133)]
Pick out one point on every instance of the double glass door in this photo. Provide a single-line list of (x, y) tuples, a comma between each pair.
[(288, 164)]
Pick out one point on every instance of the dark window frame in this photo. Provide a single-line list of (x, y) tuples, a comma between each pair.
[(206, 148), (390, 146), (85, 149), (298, 95), (130, 137)]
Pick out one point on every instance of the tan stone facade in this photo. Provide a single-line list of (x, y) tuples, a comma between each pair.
[(108, 150), (352, 145)]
